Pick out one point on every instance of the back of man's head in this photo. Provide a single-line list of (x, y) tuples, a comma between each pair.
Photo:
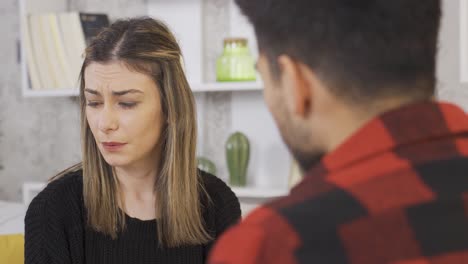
[(362, 49), (329, 66)]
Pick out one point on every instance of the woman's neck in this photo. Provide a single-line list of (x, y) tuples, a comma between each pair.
[(137, 191), (136, 180)]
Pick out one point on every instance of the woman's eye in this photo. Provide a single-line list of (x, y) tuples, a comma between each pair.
[(93, 103), (127, 104)]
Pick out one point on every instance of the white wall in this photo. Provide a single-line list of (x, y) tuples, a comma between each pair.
[(448, 71)]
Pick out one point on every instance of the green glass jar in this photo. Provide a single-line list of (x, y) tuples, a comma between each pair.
[(236, 63)]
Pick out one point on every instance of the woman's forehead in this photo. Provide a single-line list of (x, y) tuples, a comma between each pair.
[(115, 74)]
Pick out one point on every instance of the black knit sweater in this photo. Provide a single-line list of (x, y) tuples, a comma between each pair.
[(56, 230)]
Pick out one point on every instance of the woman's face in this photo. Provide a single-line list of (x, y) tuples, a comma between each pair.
[(124, 112)]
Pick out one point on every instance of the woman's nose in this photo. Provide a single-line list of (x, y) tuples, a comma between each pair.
[(108, 120)]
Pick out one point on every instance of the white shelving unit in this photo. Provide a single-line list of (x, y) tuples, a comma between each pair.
[(259, 193), (196, 88), (227, 87), (268, 156), (31, 189), (192, 51), (50, 93)]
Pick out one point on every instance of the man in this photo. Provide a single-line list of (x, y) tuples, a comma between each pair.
[(350, 84)]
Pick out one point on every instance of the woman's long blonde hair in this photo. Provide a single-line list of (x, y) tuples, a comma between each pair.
[(147, 46)]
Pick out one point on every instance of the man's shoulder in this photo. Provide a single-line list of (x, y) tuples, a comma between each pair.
[(274, 231), (293, 214), (265, 236)]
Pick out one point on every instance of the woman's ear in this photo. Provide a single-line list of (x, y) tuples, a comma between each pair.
[(296, 85)]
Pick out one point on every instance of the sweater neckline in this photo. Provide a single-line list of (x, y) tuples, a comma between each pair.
[(137, 220)]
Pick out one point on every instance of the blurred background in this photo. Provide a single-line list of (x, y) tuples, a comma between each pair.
[(39, 122)]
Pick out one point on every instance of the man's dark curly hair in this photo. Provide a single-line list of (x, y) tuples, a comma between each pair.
[(362, 49)]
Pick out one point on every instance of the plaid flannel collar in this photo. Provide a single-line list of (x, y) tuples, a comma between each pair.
[(409, 124)]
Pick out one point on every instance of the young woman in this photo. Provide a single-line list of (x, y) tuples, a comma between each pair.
[(137, 196)]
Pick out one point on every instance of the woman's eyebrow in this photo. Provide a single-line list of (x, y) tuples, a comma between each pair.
[(120, 93)]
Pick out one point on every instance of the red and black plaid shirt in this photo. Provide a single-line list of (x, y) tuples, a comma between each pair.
[(395, 192)]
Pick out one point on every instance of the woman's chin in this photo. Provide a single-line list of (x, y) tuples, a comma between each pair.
[(115, 162)]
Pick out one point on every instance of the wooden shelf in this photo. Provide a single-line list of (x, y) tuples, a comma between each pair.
[(259, 192)]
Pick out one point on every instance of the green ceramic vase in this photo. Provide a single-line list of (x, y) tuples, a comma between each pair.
[(237, 157), (235, 64)]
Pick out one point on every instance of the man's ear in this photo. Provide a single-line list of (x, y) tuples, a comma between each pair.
[(296, 86)]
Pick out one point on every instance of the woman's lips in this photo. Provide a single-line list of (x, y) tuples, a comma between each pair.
[(113, 146)]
